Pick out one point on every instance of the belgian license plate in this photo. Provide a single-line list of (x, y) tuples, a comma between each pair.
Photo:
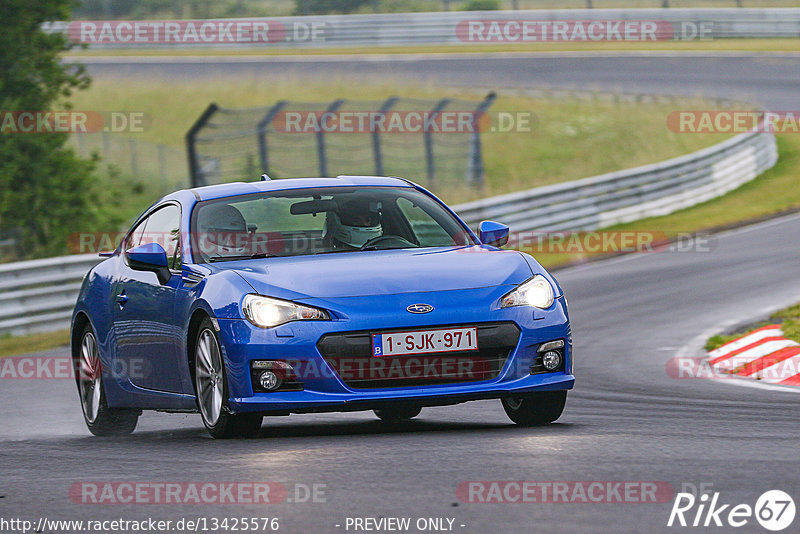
[(425, 341)]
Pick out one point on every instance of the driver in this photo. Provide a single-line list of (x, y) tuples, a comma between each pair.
[(354, 223), (222, 231)]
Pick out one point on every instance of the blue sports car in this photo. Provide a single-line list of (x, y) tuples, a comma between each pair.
[(313, 295)]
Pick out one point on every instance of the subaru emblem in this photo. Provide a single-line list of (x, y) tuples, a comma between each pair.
[(419, 308)]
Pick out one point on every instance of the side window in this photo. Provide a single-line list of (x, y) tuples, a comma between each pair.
[(135, 237), (164, 228), (429, 233)]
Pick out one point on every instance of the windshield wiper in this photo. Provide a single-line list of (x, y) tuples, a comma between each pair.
[(256, 256), (376, 247)]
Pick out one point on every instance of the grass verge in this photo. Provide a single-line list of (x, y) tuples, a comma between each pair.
[(788, 318), (16, 345)]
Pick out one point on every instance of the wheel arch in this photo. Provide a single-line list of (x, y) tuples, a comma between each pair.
[(79, 323), (196, 319)]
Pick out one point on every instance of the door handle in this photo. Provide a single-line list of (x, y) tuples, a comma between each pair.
[(122, 298)]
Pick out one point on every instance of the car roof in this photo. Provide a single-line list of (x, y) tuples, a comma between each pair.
[(211, 192)]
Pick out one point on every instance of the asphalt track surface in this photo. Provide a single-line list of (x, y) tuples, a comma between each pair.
[(771, 80), (626, 420)]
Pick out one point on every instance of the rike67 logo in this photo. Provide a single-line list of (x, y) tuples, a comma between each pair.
[(774, 510)]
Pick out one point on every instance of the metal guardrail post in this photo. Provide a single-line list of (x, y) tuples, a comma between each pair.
[(376, 138), (323, 162), (261, 133), (195, 175), (475, 171), (428, 138)]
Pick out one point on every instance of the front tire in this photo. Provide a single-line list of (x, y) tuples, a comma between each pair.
[(211, 387), (100, 419), (398, 413), (535, 409)]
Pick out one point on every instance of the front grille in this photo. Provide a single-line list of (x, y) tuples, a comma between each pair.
[(350, 355)]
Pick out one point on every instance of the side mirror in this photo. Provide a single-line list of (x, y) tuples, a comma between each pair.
[(493, 233), (149, 257)]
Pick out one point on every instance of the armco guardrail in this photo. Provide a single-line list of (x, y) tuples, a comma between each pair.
[(39, 295), (632, 194), (399, 29)]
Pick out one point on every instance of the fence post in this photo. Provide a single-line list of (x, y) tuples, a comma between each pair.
[(428, 137), (81, 145), (106, 146), (261, 133), (475, 163), (376, 139), (191, 150), (134, 158), (162, 167), (323, 163)]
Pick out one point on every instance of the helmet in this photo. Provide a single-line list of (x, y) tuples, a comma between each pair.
[(356, 221), (222, 230)]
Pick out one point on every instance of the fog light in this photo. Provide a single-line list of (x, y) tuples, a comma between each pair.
[(551, 360), (269, 380)]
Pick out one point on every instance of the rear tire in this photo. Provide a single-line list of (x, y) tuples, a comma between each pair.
[(535, 409), (211, 388), (100, 419), (398, 413)]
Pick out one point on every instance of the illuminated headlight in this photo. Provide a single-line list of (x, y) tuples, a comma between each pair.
[(268, 312), (535, 292)]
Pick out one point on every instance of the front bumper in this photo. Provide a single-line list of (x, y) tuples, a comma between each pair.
[(325, 390)]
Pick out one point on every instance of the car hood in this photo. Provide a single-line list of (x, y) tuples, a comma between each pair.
[(348, 274)]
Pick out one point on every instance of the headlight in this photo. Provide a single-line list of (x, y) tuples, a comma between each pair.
[(535, 292), (268, 312)]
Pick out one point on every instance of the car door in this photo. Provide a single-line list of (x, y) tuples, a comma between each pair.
[(148, 333)]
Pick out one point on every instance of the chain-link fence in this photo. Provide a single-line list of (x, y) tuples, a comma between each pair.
[(435, 142), (160, 167)]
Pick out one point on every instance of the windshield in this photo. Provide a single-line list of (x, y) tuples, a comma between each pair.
[(320, 221)]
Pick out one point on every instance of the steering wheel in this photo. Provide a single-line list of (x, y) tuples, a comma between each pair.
[(381, 238)]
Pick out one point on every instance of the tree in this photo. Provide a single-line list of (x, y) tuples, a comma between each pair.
[(46, 191)]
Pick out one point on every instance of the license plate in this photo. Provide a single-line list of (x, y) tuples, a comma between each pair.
[(425, 341)]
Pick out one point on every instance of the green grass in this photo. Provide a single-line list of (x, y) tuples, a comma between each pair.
[(788, 318), (718, 45), (16, 345), (570, 139)]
